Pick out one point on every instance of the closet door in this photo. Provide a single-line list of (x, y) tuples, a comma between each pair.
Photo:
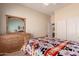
[(77, 28), (60, 29), (71, 29)]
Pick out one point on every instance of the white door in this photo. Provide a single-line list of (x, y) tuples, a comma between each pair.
[(67, 29), (71, 29), (60, 29), (77, 28)]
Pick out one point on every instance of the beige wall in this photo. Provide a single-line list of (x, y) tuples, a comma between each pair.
[(69, 11), (67, 20), (36, 22)]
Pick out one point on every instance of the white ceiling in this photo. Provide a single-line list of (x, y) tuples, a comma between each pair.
[(45, 9)]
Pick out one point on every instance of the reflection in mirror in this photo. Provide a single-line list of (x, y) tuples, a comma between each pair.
[(15, 24)]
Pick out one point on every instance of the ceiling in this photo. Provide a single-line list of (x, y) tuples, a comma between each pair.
[(46, 9)]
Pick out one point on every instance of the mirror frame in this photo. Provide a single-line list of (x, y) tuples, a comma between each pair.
[(10, 16)]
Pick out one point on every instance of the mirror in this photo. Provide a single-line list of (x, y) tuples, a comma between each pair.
[(15, 24)]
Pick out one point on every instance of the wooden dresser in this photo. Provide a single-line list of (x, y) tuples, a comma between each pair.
[(12, 42)]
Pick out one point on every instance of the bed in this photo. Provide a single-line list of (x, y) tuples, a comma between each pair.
[(50, 47)]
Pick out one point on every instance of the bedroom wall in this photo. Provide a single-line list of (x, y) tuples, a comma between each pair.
[(67, 22), (36, 22)]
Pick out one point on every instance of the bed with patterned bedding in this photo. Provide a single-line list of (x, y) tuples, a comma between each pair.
[(51, 47)]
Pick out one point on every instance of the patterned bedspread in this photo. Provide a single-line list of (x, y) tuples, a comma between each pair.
[(38, 47)]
